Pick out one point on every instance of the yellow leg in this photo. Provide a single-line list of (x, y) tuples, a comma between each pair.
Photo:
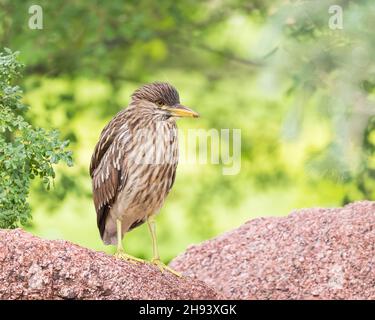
[(120, 253), (156, 258)]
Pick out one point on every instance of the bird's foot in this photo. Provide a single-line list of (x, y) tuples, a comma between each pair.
[(162, 266), (124, 256)]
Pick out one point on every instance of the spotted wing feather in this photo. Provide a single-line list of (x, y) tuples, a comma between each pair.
[(106, 171)]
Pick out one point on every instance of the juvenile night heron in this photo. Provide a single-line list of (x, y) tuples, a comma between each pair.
[(133, 166)]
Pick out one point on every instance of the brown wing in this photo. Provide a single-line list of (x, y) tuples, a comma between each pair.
[(107, 136), (106, 170)]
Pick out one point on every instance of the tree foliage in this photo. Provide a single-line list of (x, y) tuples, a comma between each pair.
[(26, 152), (331, 70)]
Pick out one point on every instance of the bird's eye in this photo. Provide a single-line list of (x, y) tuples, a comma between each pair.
[(159, 103)]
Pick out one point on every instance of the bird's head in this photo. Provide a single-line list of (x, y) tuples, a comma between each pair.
[(164, 99)]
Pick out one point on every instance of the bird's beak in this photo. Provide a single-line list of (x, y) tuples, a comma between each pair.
[(179, 110)]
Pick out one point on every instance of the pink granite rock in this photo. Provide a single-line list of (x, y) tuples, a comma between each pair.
[(32, 268), (311, 254)]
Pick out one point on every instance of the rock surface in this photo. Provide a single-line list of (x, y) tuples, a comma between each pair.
[(32, 268), (311, 254)]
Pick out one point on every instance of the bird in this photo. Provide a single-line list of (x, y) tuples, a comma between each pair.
[(133, 166)]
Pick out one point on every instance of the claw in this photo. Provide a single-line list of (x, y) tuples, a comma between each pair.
[(124, 256), (163, 267)]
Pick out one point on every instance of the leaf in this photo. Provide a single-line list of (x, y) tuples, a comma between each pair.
[(25, 151)]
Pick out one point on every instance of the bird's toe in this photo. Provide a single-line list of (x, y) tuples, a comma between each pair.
[(162, 267), (128, 257)]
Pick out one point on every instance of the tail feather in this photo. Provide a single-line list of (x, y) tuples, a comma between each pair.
[(108, 230)]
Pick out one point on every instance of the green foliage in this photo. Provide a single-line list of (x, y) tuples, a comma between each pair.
[(25, 152), (330, 72)]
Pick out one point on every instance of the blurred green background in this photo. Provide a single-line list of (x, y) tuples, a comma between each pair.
[(301, 92)]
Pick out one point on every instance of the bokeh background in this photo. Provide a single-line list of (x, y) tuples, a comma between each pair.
[(301, 92)]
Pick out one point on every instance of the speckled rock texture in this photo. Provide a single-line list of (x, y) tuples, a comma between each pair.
[(311, 254), (32, 268)]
